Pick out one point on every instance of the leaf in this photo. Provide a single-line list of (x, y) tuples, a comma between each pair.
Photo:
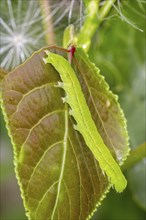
[(3, 73), (57, 173), (68, 36), (104, 107)]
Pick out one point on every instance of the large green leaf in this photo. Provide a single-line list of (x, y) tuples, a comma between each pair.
[(57, 173)]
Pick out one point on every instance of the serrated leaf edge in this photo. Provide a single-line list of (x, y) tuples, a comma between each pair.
[(124, 121), (107, 88), (13, 145), (14, 153)]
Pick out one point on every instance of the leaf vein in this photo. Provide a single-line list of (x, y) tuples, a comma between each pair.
[(78, 172), (34, 126), (36, 166), (112, 145), (63, 161), (27, 94), (40, 201), (67, 190)]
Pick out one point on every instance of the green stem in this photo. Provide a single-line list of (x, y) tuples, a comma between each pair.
[(47, 23), (136, 155), (105, 9), (90, 25), (94, 18), (87, 2)]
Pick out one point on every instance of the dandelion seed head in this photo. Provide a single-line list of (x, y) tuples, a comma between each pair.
[(22, 30), (18, 32), (19, 40)]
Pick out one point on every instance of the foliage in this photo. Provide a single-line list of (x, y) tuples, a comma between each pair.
[(34, 112), (116, 50)]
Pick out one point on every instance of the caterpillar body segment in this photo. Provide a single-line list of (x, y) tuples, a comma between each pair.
[(85, 124)]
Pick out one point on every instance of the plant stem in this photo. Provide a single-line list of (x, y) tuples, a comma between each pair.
[(105, 9), (136, 155), (90, 25), (87, 2), (47, 21), (94, 18)]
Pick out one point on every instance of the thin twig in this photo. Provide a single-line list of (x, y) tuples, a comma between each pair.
[(47, 23), (136, 155)]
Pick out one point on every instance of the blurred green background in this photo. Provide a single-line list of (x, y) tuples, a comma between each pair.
[(119, 50)]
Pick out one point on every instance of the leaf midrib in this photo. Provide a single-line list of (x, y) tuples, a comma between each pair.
[(63, 161)]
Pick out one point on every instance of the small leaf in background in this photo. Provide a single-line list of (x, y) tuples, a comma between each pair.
[(54, 166)]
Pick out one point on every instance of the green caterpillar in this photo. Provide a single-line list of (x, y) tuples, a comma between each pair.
[(85, 124)]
